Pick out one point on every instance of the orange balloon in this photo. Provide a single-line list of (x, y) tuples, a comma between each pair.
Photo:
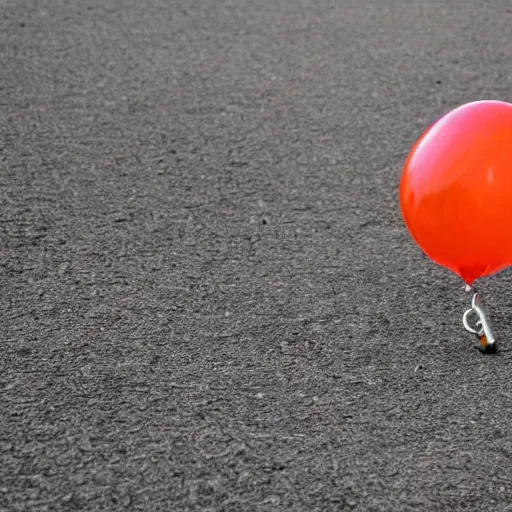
[(456, 190)]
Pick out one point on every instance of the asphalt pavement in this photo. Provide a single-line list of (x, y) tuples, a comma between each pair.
[(208, 298)]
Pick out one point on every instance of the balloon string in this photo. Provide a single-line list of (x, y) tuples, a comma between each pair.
[(475, 321)]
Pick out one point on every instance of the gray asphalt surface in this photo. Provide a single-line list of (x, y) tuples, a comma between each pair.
[(209, 300)]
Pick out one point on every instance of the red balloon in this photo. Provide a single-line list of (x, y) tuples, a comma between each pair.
[(456, 190)]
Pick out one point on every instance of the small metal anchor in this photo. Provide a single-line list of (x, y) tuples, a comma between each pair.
[(476, 321)]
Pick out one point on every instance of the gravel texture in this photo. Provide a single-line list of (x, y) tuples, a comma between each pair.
[(209, 300)]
